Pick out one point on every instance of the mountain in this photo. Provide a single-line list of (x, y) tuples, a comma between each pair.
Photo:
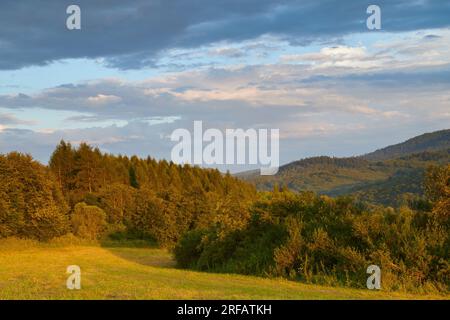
[(433, 141), (381, 177)]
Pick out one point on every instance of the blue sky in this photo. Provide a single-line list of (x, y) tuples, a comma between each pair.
[(137, 70)]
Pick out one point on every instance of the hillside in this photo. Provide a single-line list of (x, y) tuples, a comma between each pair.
[(433, 141), (382, 177)]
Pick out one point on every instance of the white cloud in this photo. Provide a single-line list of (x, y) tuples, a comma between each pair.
[(103, 99), (339, 56), (429, 48)]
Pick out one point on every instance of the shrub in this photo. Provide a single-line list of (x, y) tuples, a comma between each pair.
[(46, 223), (247, 251), (154, 218), (188, 250), (88, 222), (330, 241)]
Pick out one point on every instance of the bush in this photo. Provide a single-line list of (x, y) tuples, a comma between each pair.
[(329, 241), (88, 222), (247, 251), (46, 223), (188, 250)]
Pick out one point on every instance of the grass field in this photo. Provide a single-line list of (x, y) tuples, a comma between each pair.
[(32, 271)]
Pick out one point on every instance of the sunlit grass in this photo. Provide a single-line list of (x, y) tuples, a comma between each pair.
[(33, 271)]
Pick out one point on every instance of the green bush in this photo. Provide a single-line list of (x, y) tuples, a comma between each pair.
[(329, 241), (246, 251), (88, 222), (188, 249)]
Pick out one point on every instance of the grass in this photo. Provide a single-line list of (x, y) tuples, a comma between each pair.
[(37, 271)]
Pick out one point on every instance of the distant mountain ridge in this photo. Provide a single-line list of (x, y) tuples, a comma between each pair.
[(433, 141), (382, 176)]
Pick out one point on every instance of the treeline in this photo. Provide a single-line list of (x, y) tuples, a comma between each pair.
[(319, 239), (434, 141), (94, 195), (324, 161)]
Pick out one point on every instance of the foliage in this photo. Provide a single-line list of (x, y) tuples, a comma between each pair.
[(319, 239), (376, 181), (148, 199), (88, 222), (31, 203), (216, 222)]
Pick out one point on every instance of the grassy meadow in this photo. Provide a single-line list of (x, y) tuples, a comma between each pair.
[(30, 270)]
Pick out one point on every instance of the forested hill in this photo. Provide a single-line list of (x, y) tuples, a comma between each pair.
[(383, 181), (83, 187), (433, 141)]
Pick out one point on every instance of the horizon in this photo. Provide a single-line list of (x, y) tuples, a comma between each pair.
[(328, 83), (241, 171)]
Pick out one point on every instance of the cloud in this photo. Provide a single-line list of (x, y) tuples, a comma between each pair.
[(103, 99), (226, 52), (410, 53), (388, 80), (8, 120), (253, 93), (134, 34), (334, 106), (301, 136), (339, 57)]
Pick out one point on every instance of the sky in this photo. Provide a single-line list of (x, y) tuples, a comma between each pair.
[(137, 70)]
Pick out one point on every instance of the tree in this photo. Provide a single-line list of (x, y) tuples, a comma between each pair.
[(133, 179), (32, 204), (88, 222), (118, 202), (62, 163), (437, 182), (87, 167), (9, 222), (46, 223), (152, 217), (437, 188)]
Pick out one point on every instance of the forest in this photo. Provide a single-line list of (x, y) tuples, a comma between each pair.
[(216, 222), (389, 176)]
